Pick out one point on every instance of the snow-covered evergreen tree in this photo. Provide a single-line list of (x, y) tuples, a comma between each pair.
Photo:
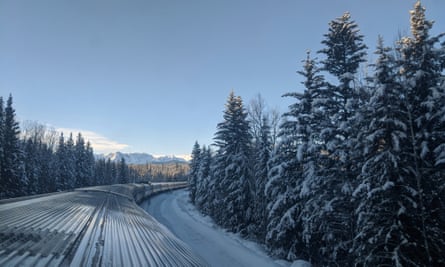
[(32, 166), (193, 174), (60, 158), (70, 163), (330, 221), (81, 162), (421, 69), (262, 153), (12, 171), (287, 175), (214, 191), (382, 189), (122, 172), (110, 172), (89, 165), (203, 190), (233, 174), (66, 169), (48, 169)]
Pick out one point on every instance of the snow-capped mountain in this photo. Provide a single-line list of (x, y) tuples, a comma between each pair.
[(143, 158)]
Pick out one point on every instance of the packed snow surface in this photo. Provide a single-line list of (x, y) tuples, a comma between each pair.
[(216, 246)]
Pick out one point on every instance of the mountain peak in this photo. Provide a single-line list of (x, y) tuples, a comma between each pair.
[(143, 158)]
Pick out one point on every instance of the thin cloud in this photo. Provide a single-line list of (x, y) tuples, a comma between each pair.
[(100, 143)]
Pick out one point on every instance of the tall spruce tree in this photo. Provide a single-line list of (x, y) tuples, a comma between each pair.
[(48, 169), (60, 158), (287, 175), (263, 150), (193, 174), (331, 221), (12, 171), (421, 69), (204, 178), (31, 163), (81, 162), (70, 163), (382, 189), (234, 175), (122, 172), (66, 164), (90, 165)]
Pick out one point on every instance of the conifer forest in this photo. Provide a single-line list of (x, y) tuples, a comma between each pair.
[(351, 174), (354, 172), (36, 159)]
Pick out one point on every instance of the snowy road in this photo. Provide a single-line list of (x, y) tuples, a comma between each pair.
[(217, 247)]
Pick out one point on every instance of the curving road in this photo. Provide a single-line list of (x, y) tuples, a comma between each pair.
[(218, 248)]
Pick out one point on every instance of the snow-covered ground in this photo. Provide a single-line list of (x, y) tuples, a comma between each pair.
[(216, 246)]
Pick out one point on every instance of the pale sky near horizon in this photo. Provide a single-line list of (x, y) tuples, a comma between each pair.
[(153, 76)]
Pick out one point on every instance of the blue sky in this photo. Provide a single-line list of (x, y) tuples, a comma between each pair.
[(153, 76)]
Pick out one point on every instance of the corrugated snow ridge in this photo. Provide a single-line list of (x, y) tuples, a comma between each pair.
[(96, 226)]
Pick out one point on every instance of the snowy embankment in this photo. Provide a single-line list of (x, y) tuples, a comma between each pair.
[(100, 226), (216, 246)]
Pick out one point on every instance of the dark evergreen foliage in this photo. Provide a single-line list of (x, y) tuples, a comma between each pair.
[(234, 175), (194, 168), (12, 172), (421, 73), (34, 164), (382, 192), (356, 177), (261, 156), (204, 181)]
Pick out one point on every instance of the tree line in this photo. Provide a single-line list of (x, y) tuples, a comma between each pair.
[(160, 172), (40, 160), (356, 173)]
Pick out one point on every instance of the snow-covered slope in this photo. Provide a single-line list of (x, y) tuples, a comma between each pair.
[(142, 158)]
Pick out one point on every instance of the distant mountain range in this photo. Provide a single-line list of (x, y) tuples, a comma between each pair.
[(143, 158)]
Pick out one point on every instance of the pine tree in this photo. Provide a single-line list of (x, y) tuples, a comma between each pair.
[(281, 190), (80, 157), (110, 173), (31, 162), (382, 191), (12, 171), (194, 168), (233, 170), (48, 169), (421, 69), (99, 170), (60, 159), (330, 220), (90, 162), (298, 137), (263, 150), (66, 164), (203, 191), (70, 163), (122, 172)]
